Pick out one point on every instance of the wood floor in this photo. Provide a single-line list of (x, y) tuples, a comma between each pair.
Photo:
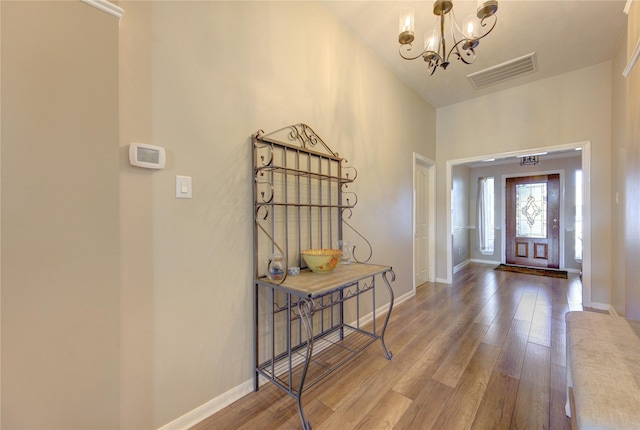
[(487, 352)]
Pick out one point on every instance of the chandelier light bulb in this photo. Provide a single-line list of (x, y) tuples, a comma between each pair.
[(431, 41), (407, 34), (471, 30), (431, 45), (470, 27)]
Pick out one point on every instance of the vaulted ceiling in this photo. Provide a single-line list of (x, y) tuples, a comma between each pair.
[(564, 34)]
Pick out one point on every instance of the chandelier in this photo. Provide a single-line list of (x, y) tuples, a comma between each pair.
[(440, 45)]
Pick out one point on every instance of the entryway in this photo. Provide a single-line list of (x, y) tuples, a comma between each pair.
[(567, 233)]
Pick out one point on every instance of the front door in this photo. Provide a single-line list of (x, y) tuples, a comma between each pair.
[(533, 221)]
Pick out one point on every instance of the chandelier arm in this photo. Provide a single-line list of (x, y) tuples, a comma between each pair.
[(470, 51), (432, 66), (484, 24), (409, 57), (432, 58)]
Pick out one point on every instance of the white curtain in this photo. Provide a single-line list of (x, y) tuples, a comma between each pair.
[(485, 215)]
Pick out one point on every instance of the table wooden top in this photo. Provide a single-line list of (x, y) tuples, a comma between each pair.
[(310, 284)]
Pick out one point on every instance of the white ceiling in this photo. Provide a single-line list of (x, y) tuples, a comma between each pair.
[(565, 35)]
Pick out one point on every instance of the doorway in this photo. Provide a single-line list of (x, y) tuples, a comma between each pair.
[(423, 220), (532, 210), (445, 265)]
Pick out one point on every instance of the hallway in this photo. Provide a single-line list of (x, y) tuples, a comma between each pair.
[(486, 352)]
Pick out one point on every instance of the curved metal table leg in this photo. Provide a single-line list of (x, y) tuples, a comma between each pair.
[(386, 320), (305, 308)]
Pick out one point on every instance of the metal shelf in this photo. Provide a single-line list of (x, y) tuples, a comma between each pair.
[(263, 170), (301, 202)]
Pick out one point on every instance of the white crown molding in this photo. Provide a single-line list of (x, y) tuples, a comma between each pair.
[(106, 6), (632, 60), (627, 6)]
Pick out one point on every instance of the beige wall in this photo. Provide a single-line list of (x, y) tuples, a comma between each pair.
[(460, 214), (618, 180), (60, 226), (198, 78), (626, 175), (566, 109), (632, 168)]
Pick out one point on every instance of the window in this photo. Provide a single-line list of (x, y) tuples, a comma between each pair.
[(485, 215), (578, 220)]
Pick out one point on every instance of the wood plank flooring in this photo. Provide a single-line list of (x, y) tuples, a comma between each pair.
[(487, 352)]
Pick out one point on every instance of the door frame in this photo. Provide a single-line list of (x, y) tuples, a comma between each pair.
[(585, 148), (419, 159), (561, 222)]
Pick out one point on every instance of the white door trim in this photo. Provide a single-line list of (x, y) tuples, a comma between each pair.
[(431, 165)]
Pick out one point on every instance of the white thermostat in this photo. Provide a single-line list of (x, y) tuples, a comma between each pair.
[(147, 156)]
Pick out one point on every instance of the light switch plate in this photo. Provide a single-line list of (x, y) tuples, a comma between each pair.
[(183, 187)]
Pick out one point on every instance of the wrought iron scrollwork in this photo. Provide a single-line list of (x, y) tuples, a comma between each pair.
[(258, 217), (266, 158), (307, 137), (349, 174), (265, 191), (348, 211), (305, 309), (387, 281), (351, 199)]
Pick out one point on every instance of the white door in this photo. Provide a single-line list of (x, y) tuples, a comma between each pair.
[(421, 227)]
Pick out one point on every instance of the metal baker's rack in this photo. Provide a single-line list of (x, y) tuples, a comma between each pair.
[(308, 325)]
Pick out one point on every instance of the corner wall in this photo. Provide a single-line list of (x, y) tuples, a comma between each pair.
[(60, 226), (619, 149), (632, 169), (460, 226), (198, 78)]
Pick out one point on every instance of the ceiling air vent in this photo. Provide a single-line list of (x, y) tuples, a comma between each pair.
[(502, 72)]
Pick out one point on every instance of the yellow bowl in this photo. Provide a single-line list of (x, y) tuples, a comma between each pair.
[(321, 260)]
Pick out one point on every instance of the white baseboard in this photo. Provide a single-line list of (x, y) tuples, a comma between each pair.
[(460, 266), (369, 317), (404, 298), (600, 306), (493, 263), (200, 413)]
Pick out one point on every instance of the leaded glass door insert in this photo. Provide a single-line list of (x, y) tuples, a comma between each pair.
[(532, 207), (531, 210)]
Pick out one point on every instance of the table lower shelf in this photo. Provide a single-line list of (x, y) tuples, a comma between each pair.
[(330, 351)]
